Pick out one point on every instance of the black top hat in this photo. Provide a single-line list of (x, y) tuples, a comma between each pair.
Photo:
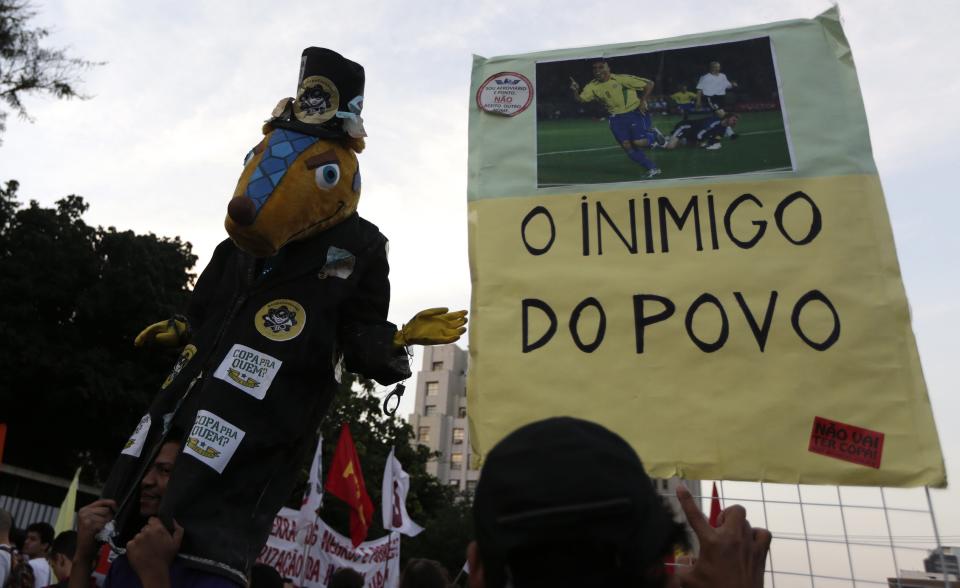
[(329, 97)]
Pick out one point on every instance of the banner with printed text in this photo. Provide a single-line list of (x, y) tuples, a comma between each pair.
[(687, 241), (311, 556)]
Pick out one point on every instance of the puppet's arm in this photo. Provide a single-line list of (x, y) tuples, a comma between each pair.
[(173, 332), (434, 326), (177, 331)]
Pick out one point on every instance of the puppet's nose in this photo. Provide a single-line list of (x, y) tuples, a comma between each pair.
[(242, 210)]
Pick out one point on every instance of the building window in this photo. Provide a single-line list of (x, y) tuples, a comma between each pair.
[(455, 484), (471, 486), (437, 366), (423, 434), (462, 412), (457, 436), (430, 410), (433, 388), (456, 461)]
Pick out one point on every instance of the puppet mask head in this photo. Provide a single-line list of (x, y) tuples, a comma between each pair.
[(302, 178), (293, 186)]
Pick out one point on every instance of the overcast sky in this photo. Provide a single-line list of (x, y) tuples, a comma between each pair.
[(160, 144)]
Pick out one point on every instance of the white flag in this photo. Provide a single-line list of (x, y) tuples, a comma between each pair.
[(396, 483), (313, 496)]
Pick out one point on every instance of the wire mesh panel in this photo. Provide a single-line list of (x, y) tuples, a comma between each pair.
[(837, 537)]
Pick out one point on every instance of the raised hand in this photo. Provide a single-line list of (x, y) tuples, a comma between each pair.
[(173, 332), (733, 555), (434, 326)]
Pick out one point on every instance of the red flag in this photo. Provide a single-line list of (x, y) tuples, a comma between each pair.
[(715, 508), (345, 481)]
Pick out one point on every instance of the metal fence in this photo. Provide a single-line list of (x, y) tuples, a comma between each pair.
[(27, 512), (840, 536)]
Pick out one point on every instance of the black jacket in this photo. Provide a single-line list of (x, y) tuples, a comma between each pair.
[(251, 387)]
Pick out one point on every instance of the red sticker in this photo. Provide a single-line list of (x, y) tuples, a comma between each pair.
[(846, 442)]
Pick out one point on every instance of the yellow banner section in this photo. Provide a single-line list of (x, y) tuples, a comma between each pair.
[(754, 331)]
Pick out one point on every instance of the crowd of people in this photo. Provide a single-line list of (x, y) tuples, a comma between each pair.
[(560, 502)]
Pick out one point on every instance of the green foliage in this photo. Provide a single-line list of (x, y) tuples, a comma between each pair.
[(444, 513), (26, 67), (72, 297)]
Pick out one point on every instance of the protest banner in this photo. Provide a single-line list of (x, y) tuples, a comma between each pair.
[(310, 558), (733, 308)]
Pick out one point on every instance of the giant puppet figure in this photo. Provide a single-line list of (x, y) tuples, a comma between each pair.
[(298, 292)]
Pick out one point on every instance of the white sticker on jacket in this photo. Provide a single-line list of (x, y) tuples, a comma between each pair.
[(134, 444), (248, 370), (213, 440), (340, 264)]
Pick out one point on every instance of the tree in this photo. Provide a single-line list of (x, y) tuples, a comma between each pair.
[(72, 298), (26, 67), (444, 513)]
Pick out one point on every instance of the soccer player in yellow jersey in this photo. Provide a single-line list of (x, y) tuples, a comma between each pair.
[(685, 100), (627, 114)]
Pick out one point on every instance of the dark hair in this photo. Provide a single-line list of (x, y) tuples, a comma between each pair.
[(346, 578), (177, 434), (6, 522), (264, 576), (424, 573), (17, 537), (44, 530), (21, 576), (65, 543)]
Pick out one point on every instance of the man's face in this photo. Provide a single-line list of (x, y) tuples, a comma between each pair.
[(33, 545), (732, 121), (714, 68), (61, 566), (601, 71), (154, 484)]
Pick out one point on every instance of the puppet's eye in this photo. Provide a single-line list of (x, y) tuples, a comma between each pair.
[(327, 176)]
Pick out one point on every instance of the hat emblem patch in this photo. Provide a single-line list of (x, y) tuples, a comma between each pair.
[(317, 100)]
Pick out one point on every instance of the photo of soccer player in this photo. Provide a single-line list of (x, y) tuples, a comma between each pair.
[(593, 110), (704, 132), (627, 111)]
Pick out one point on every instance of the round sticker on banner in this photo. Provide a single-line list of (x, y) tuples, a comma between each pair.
[(317, 100), (280, 320), (507, 93)]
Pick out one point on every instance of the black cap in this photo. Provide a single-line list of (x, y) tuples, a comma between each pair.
[(329, 97), (566, 486)]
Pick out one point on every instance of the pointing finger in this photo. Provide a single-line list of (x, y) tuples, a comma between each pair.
[(694, 515)]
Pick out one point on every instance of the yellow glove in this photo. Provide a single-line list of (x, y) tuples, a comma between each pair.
[(173, 332), (434, 326)]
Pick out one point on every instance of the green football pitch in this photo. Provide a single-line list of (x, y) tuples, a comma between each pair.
[(583, 151)]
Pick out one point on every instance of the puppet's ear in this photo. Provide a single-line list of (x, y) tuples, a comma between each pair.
[(355, 143)]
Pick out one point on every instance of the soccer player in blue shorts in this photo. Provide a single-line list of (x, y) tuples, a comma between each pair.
[(630, 122), (706, 132)]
